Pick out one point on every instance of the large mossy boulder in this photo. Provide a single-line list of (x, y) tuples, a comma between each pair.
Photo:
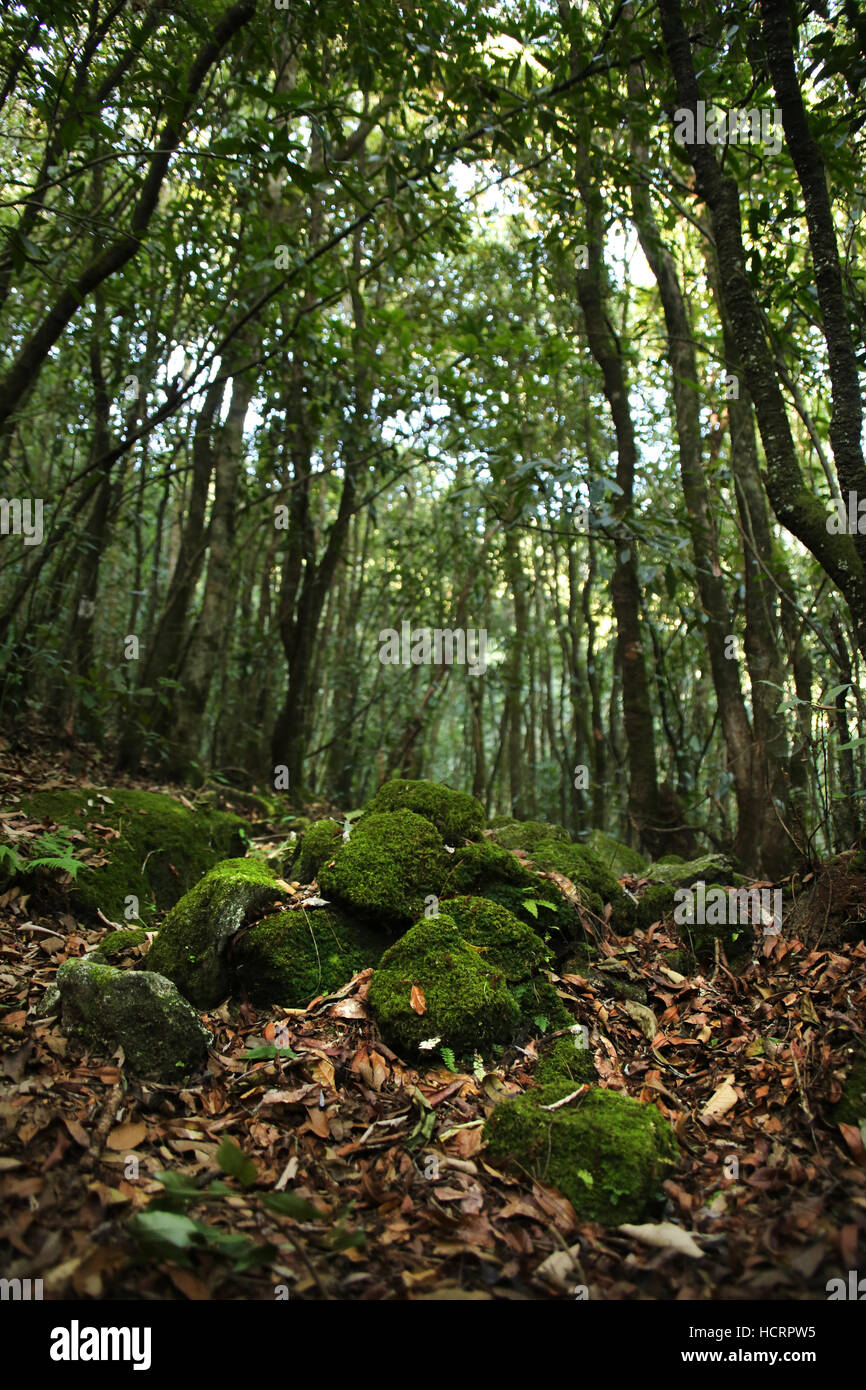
[(191, 946), (160, 850), (162, 1037), (291, 957), (617, 857), (526, 834), (607, 1153), (456, 815), (389, 869), (318, 844), (433, 983)]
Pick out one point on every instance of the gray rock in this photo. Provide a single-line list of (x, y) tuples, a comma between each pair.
[(162, 1036)]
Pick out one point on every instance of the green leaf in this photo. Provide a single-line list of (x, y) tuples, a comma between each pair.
[(234, 1161), (288, 1204)]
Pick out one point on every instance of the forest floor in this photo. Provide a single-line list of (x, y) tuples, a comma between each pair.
[(403, 1201)]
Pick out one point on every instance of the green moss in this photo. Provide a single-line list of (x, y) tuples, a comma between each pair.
[(456, 815), (537, 998), (679, 873), (615, 856), (526, 834), (586, 870), (467, 1002), (291, 957), (384, 874), (507, 943), (190, 948), (850, 1109), (565, 1060), (162, 1037), (117, 946), (475, 866), (161, 850), (656, 901), (605, 1152), (320, 843)]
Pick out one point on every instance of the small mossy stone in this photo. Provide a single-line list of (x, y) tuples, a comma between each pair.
[(850, 1109), (456, 815), (319, 844), (162, 1037), (466, 1003), (617, 857), (678, 873), (566, 1059), (291, 957), (162, 847), (541, 1009), (506, 942), (584, 868), (526, 834), (608, 1154), (120, 946), (191, 945), (655, 901), (386, 872)]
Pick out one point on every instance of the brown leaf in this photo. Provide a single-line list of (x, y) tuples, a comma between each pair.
[(417, 1000), (128, 1136)]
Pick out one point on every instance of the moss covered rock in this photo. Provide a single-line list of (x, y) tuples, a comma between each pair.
[(586, 870), (566, 1059), (526, 834), (495, 873), (385, 873), (319, 844), (161, 849), (291, 957), (850, 1109), (616, 856), (162, 1037), (476, 866), (655, 901), (607, 1153), (506, 943), (456, 815), (120, 947), (190, 948), (541, 1009), (466, 1002), (679, 873)]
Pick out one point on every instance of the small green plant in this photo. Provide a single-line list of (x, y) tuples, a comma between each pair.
[(46, 851), (166, 1232)]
